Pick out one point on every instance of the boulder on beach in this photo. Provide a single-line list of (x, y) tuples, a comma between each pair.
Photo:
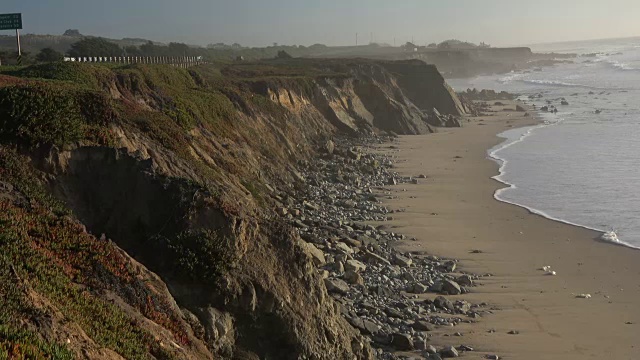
[(336, 286), (451, 287), (402, 341)]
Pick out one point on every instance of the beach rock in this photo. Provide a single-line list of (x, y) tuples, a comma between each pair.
[(393, 313), (354, 154), (451, 287), (431, 349), (492, 357), (418, 288), (401, 260), (520, 108), (449, 352), (337, 267), (465, 280), (344, 248), (382, 290), (329, 147), (375, 258), (365, 326), (355, 266), (443, 303), (310, 206), (421, 325), (449, 266), (316, 254), (463, 307), (402, 342), (336, 286), (353, 278)]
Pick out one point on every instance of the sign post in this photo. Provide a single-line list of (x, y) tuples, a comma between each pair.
[(13, 22)]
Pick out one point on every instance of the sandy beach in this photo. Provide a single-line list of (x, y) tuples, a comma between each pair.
[(453, 212)]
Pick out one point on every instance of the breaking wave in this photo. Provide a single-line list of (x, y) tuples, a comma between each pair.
[(556, 83), (606, 236)]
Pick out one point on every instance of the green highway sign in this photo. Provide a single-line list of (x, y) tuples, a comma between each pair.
[(10, 21)]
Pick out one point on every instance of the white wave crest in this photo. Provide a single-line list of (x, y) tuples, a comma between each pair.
[(553, 83), (623, 66)]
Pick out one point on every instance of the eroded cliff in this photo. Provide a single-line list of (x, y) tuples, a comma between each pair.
[(137, 204)]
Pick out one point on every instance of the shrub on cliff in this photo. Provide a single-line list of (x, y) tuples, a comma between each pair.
[(35, 115)]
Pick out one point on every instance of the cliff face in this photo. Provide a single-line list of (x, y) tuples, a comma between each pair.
[(149, 195), (425, 86), (372, 96)]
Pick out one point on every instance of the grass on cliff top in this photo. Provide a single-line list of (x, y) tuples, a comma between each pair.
[(41, 114), (66, 103), (80, 74)]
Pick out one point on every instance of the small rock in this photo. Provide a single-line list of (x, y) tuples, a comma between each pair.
[(375, 258), (421, 325), (418, 288), (431, 349), (316, 254), (451, 287), (336, 286), (344, 248), (329, 147), (449, 352), (465, 280), (402, 260), (402, 341), (449, 266), (353, 278), (420, 344), (443, 303), (355, 266)]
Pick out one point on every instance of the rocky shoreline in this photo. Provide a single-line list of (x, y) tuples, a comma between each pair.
[(379, 290)]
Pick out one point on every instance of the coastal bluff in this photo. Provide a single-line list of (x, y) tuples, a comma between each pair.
[(138, 202)]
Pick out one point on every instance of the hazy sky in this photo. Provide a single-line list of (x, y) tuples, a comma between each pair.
[(305, 22)]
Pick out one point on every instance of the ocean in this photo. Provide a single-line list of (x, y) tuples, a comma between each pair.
[(579, 166)]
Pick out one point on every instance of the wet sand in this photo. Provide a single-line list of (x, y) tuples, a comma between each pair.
[(454, 212)]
